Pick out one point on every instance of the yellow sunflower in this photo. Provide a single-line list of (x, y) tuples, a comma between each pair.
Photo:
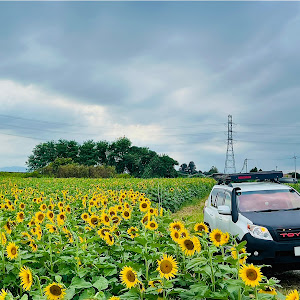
[(242, 256), (22, 206), (155, 284), (144, 206), (33, 246), (183, 233), (114, 298), (145, 219), (129, 277), (20, 217), (103, 231), (293, 295), (175, 236), (251, 275), (225, 238), (268, 290), (50, 215), (105, 219), (3, 294), (26, 278), (94, 221), (85, 216), (109, 239), (190, 245), (12, 251), (176, 226), (133, 232), (216, 237), (126, 214), (201, 227), (61, 219), (116, 220), (3, 238), (54, 291), (39, 217), (152, 225), (43, 207), (167, 267)]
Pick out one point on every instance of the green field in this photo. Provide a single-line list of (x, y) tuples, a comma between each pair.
[(110, 238)]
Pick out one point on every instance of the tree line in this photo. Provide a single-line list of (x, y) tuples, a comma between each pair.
[(64, 158)]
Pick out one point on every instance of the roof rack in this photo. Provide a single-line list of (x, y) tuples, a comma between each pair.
[(252, 176)]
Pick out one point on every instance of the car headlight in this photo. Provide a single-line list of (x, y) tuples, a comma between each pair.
[(259, 232)]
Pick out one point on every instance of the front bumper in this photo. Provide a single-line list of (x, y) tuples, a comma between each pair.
[(272, 252)]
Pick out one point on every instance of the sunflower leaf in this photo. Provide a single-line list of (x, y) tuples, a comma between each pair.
[(101, 284)]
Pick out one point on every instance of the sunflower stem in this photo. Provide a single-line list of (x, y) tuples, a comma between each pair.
[(20, 267), (50, 252), (256, 295), (212, 270), (39, 285)]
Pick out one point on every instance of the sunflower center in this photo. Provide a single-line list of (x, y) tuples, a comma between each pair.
[(218, 237), (40, 217), (94, 221), (21, 216), (55, 290), (126, 214), (200, 228), (152, 225), (177, 227), (62, 217), (251, 274), (130, 276), (13, 251), (115, 220), (106, 218), (85, 216), (166, 267), (176, 235), (189, 244), (144, 205)]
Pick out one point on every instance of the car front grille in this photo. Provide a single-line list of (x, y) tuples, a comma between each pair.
[(288, 234)]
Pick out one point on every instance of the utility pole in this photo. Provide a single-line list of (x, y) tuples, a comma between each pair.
[(229, 162), (295, 157)]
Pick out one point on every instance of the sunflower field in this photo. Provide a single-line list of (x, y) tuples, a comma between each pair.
[(116, 239)]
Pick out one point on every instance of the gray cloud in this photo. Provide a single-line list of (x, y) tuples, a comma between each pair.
[(104, 69)]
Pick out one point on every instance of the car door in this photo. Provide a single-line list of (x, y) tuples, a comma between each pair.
[(210, 212), (224, 220)]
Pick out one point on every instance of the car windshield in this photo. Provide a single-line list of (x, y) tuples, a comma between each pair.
[(268, 200)]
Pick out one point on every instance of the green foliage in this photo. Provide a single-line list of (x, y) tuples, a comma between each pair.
[(50, 157)]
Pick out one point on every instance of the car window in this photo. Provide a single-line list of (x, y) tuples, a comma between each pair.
[(217, 197), (268, 200), (221, 198), (227, 201)]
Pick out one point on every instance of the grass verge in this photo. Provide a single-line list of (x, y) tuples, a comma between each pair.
[(191, 213)]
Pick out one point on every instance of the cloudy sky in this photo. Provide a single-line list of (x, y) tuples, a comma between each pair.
[(164, 74)]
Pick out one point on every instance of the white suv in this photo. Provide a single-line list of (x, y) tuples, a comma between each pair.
[(265, 214)]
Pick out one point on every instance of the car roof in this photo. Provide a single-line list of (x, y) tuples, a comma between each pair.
[(254, 186), (260, 186)]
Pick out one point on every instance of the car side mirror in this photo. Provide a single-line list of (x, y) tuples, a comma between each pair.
[(224, 210)]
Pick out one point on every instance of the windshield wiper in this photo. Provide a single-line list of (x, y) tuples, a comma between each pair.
[(296, 208), (267, 210)]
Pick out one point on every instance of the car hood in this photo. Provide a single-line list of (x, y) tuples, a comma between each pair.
[(275, 219)]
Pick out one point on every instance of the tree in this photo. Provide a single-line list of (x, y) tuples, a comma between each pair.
[(254, 169), (160, 166), (183, 168), (43, 154), (101, 152), (192, 168), (88, 153), (117, 152), (212, 170)]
